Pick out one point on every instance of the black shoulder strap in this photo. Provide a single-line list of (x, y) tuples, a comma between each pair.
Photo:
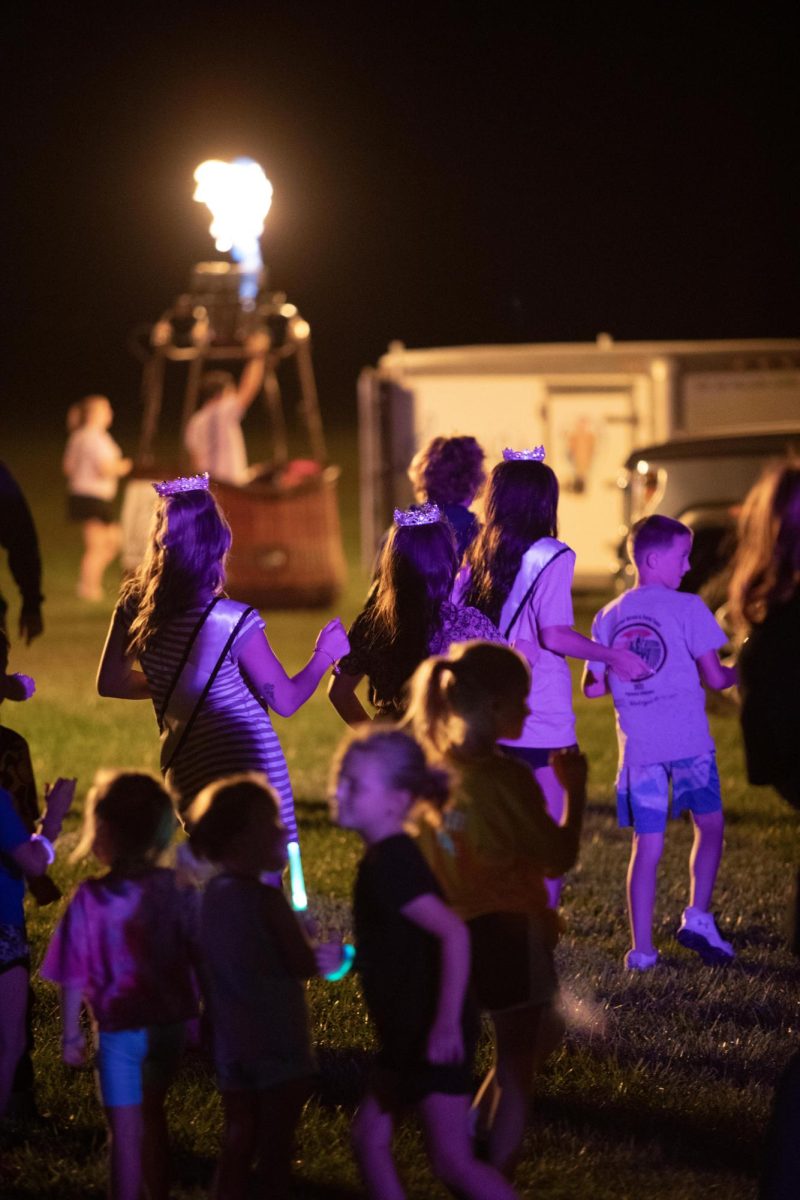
[(187, 727), (529, 593), (184, 658)]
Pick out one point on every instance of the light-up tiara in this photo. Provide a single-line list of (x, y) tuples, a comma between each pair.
[(420, 514), (534, 455), (184, 483)]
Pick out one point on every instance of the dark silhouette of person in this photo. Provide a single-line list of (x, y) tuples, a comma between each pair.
[(19, 539)]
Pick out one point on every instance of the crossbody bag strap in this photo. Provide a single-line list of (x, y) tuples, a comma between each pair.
[(529, 593), (187, 727), (184, 659)]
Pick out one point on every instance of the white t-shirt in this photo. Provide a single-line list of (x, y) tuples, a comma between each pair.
[(215, 440), (663, 717), (551, 723), (87, 452)]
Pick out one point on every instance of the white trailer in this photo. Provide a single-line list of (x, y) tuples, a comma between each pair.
[(591, 404)]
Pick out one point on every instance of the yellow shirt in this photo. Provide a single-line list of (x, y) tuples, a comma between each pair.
[(494, 842)]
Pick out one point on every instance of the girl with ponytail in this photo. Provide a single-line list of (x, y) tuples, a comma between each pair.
[(491, 847)]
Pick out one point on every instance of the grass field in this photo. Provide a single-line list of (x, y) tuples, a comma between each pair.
[(663, 1086)]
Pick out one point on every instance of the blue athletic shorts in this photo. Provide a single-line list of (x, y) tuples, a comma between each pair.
[(129, 1059), (643, 792)]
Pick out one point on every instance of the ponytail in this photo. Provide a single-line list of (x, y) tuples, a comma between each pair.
[(453, 698)]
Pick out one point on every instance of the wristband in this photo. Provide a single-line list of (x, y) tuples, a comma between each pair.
[(46, 845), (348, 958)]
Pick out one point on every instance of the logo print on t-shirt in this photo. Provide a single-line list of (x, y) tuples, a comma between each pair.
[(643, 640)]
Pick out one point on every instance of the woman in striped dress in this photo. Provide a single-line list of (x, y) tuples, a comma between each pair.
[(201, 658)]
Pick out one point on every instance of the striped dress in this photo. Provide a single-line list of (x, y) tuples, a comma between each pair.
[(233, 731)]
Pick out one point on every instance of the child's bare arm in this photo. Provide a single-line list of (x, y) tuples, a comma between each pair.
[(73, 1042), (445, 1040), (592, 685), (714, 674), (34, 856)]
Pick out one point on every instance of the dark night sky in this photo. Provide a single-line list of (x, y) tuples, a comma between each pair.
[(439, 177)]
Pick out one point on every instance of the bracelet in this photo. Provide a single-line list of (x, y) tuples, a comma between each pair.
[(46, 845), (348, 958), (319, 650)]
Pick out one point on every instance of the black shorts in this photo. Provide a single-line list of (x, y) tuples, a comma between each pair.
[(397, 1087), (90, 508), (512, 959), (535, 756)]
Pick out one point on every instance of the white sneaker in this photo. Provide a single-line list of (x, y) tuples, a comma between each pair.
[(637, 960), (699, 932)]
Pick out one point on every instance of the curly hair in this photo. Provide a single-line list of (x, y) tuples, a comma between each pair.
[(448, 470), (521, 507), (185, 557), (766, 566)]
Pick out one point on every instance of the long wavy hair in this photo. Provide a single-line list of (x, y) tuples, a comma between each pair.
[(521, 507), (184, 561), (454, 697), (415, 578), (766, 567)]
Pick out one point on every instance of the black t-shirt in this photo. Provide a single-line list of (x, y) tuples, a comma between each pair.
[(399, 963)]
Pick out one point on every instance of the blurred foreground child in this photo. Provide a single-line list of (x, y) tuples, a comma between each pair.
[(93, 465), (663, 732), (492, 847), (255, 957), (21, 853), (124, 947), (16, 777), (413, 958)]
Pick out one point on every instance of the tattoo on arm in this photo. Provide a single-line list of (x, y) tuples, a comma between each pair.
[(268, 694)]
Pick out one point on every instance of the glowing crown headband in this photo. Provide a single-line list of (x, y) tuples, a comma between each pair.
[(184, 483), (422, 514), (534, 455)]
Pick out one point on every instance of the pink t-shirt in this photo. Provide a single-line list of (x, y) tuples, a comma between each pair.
[(127, 945)]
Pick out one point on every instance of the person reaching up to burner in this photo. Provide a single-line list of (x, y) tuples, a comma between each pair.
[(213, 435)]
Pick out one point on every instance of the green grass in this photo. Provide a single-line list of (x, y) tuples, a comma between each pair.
[(663, 1086)]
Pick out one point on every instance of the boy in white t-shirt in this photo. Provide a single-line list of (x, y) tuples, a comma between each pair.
[(663, 731)]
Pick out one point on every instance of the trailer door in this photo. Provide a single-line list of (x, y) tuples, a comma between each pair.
[(590, 433)]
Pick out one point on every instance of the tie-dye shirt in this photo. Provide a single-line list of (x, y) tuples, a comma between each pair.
[(128, 945)]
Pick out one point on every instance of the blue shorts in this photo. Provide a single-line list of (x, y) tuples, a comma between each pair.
[(643, 792), (131, 1059)]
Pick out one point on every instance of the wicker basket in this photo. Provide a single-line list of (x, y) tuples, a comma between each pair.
[(287, 543)]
